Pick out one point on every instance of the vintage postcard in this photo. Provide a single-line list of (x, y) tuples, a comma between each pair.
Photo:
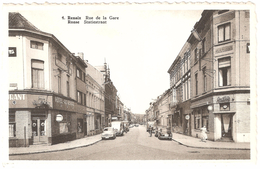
[(127, 82)]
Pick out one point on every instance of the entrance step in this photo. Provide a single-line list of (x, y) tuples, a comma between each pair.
[(226, 139)]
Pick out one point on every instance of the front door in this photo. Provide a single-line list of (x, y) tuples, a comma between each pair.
[(226, 125), (39, 130)]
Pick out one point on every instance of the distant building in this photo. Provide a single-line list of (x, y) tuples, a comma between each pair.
[(95, 121)]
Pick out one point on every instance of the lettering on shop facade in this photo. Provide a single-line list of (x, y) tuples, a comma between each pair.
[(63, 104), (224, 99)]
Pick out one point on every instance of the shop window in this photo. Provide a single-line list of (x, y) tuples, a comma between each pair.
[(37, 74), (197, 122), (224, 32), (80, 125), (205, 121), (36, 45), (12, 124), (224, 71), (63, 127)]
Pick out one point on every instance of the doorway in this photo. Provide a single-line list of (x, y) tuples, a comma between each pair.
[(226, 127), (39, 130)]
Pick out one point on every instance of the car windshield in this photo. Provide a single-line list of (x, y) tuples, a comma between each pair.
[(108, 129)]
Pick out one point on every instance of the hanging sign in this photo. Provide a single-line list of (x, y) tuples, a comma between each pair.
[(59, 117), (187, 117)]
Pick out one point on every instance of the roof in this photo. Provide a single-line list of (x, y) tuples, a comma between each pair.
[(17, 21)]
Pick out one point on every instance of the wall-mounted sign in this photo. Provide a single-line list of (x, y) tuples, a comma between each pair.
[(187, 117), (12, 51), (59, 117)]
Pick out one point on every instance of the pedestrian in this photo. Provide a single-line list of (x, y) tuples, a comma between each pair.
[(150, 130), (204, 136)]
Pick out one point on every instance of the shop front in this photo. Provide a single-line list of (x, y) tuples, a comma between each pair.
[(29, 118)]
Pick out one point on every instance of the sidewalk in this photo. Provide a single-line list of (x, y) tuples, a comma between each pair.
[(197, 143), (57, 147)]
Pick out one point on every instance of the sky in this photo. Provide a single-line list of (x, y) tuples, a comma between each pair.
[(139, 47)]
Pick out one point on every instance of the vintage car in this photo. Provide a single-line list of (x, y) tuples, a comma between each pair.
[(108, 132), (165, 133)]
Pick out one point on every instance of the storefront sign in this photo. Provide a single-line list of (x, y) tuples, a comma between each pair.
[(224, 49), (223, 99), (63, 104), (16, 96), (59, 117)]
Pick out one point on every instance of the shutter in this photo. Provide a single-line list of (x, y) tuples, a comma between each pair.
[(225, 62)]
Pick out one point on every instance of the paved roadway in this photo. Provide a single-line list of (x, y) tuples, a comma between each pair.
[(137, 145)]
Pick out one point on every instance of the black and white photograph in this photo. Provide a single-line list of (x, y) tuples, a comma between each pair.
[(121, 82)]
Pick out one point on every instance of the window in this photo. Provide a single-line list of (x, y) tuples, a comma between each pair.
[(59, 81), (248, 48), (79, 94), (196, 84), (188, 89), (59, 57), (37, 74), (81, 97), (36, 45), (203, 46), (205, 121), (224, 66), (224, 32), (81, 75), (196, 55), (204, 79), (68, 86), (12, 125)]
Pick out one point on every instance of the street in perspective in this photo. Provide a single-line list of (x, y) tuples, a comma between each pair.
[(138, 145), (150, 95)]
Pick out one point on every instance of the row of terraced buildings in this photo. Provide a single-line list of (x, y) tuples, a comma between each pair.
[(210, 80)]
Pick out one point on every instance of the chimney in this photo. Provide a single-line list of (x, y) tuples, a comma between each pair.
[(81, 55)]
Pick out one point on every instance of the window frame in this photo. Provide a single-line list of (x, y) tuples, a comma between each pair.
[(224, 32), (36, 45), (35, 75)]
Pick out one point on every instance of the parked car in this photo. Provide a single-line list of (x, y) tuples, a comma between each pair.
[(131, 125), (108, 132), (165, 133)]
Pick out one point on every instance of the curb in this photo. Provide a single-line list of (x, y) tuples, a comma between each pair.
[(48, 151), (221, 148)]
